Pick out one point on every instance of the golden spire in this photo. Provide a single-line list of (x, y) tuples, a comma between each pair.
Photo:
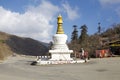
[(59, 28)]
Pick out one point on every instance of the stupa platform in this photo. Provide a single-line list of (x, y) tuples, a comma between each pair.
[(48, 62)]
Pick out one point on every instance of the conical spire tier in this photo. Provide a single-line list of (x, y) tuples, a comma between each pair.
[(59, 27)]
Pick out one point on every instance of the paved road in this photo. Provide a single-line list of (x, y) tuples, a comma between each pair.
[(19, 68)]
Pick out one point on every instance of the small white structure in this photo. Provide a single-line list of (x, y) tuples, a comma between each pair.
[(60, 49)]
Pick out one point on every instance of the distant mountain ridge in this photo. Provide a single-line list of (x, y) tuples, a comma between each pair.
[(10, 44)]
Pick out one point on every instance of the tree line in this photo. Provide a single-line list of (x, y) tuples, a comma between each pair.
[(90, 43)]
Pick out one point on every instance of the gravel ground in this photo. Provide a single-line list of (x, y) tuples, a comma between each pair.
[(19, 68)]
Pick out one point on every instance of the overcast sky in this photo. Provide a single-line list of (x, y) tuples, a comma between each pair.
[(37, 19)]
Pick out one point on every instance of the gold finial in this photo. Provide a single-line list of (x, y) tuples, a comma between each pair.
[(59, 28)]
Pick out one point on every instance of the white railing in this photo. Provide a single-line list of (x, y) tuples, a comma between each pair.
[(43, 57)]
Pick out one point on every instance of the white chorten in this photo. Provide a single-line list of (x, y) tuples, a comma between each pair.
[(60, 50)]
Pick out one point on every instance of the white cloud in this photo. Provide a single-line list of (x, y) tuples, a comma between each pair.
[(109, 2), (118, 11), (71, 12), (112, 4), (34, 23)]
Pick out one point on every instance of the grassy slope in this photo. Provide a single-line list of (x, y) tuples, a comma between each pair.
[(5, 50)]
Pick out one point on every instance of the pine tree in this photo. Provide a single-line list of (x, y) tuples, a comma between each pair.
[(84, 34), (74, 34), (99, 28)]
